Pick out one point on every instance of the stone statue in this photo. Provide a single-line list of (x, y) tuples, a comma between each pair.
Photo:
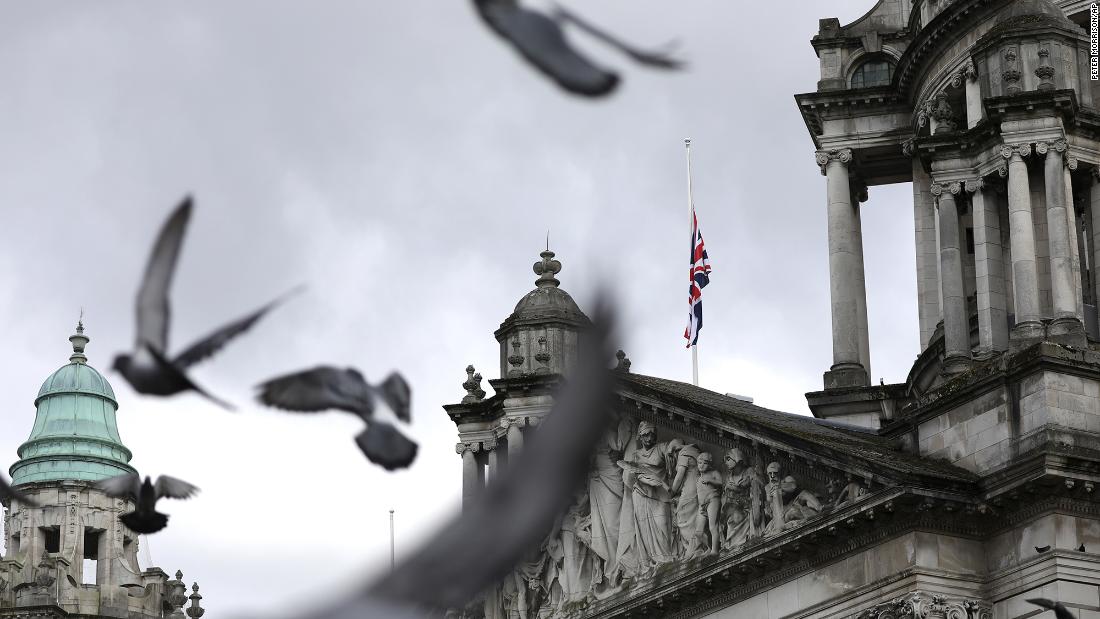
[(783, 513), (645, 525), (741, 501), (577, 560), (684, 487), (851, 493), (706, 538), (605, 491)]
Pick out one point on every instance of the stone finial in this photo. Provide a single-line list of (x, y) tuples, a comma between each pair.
[(1045, 72), (940, 110), (1011, 74), (474, 392), (542, 356), (623, 364), (79, 341), (515, 359), (909, 146), (546, 269), (195, 610)]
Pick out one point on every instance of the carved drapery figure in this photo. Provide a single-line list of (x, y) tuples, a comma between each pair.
[(577, 562), (645, 529), (605, 491), (684, 487), (785, 504), (741, 501), (706, 538), (852, 492)]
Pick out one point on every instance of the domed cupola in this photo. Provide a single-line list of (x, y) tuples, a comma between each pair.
[(540, 337), (75, 436), (1027, 13)]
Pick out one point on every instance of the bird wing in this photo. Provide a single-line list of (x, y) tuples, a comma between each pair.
[(217, 340), (182, 380), (7, 493), (395, 392), (122, 486), (386, 446), (321, 388), (540, 40), (153, 310), (172, 488), (652, 59), (1060, 611)]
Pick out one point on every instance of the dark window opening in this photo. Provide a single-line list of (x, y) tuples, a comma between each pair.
[(51, 538), (90, 568), (873, 73)]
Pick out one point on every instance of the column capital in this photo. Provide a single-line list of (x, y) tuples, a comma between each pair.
[(462, 448), (954, 188), (1008, 150), (1095, 173), (967, 73), (974, 185), (489, 445), (1070, 162), (1058, 146), (823, 157), (909, 146)]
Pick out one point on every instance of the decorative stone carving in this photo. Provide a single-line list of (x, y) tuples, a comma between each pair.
[(1011, 74), (195, 610), (920, 605), (44, 576), (940, 110), (1008, 150), (975, 184), (952, 187), (909, 146), (823, 157), (1059, 146), (474, 392), (546, 269), (622, 362), (785, 504), (1045, 72), (967, 73), (542, 356), (515, 359)]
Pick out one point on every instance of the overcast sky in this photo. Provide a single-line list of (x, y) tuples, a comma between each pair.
[(403, 162)]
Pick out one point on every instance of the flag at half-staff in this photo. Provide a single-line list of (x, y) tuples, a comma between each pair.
[(700, 277)]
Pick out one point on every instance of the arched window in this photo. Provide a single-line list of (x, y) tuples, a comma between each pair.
[(873, 73)]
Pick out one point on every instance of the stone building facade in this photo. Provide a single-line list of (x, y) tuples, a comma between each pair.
[(71, 555), (956, 494)]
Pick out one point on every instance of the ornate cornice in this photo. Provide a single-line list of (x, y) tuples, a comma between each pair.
[(923, 605)]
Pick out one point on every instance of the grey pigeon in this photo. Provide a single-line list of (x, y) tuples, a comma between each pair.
[(325, 387), (1060, 611), (8, 493), (145, 518), (514, 513), (539, 39), (1042, 548), (1081, 548), (148, 368)]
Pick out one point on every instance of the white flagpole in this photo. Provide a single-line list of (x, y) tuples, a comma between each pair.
[(691, 224)]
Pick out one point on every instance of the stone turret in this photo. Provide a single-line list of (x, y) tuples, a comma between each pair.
[(71, 553)]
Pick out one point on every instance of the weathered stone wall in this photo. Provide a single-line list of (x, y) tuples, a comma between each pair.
[(974, 435)]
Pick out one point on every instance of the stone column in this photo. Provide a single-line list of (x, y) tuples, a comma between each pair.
[(471, 471), (845, 252), (515, 438), (928, 259), (859, 195), (1074, 238), (988, 271), (1025, 282), (1094, 215), (956, 326), (1063, 292), (493, 456)]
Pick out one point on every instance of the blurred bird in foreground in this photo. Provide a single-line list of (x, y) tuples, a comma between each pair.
[(1060, 611), (325, 387), (514, 513), (147, 368), (539, 38), (145, 518), (7, 493)]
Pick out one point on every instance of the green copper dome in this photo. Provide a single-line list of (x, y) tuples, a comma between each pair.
[(75, 436)]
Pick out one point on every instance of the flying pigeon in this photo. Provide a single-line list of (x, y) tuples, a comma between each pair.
[(7, 493), (145, 518), (513, 514), (148, 368), (325, 387), (1060, 611), (1042, 548), (539, 39)]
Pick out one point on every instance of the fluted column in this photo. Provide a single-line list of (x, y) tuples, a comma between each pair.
[(859, 195), (1094, 215), (1025, 281), (1074, 238), (845, 273), (492, 454), (471, 471), (973, 95), (1063, 291), (956, 328), (988, 270), (928, 259), (515, 438)]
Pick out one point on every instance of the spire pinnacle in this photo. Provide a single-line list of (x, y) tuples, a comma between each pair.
[(79, 341), (547, 268)]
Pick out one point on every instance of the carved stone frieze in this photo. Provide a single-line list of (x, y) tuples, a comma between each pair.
[(659, 499), (920, 605)]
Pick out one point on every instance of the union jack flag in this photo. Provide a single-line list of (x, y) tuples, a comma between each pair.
[(699, 276)]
